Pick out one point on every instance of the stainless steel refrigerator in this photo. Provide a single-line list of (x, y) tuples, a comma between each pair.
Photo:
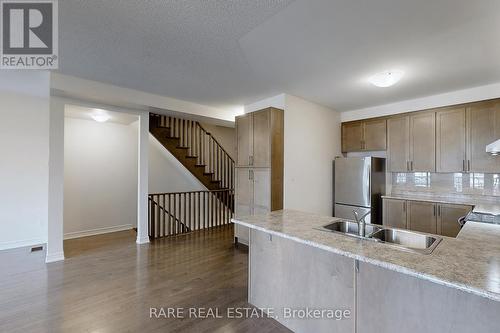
[(359, 183)]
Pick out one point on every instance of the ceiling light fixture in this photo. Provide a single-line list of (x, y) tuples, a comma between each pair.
[(100, 116), (386, 79)]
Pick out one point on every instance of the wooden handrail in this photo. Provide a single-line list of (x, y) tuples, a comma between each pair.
[(202, 145), (217, 142), (222, 190)]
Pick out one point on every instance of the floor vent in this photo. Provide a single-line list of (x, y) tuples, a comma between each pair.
[(36, 248)]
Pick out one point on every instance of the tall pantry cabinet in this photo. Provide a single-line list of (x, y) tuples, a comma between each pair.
[(259, 165)]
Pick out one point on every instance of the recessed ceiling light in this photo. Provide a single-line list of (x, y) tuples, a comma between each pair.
[(100, 116), (386, 79)]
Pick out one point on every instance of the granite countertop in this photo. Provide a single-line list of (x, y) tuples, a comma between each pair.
[(470, 262)]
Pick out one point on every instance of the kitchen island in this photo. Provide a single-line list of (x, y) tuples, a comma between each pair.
[(294, 266)]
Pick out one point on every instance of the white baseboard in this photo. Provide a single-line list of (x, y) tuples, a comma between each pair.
[(53, 257), (143, 240), (98, 231), (21, 243)]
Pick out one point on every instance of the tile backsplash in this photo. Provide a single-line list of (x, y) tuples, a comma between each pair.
[(468, 184)]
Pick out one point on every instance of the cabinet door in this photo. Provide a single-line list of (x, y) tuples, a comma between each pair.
[(398, 143), (375, 134), (394, 213), (450, 140), (262, 190), (422, 216), (484, 128), (448, 215), (352, 136), (423, 141), (243, 192), (244, 139), (262, 139)]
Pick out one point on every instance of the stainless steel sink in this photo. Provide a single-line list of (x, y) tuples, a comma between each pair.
[(407, 240), (403, 239), (349, 228)]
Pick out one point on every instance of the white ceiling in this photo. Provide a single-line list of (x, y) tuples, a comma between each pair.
[(226, 53)]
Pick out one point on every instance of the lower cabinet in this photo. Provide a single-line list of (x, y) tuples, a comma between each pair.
[(428, 217), (394, 213), (422, 216), (448, 216)]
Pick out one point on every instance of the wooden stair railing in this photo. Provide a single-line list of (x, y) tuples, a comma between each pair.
[(196, 149), (183, 212)]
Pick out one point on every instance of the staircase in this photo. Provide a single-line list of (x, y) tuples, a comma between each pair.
[(183, 212), (196, 149)]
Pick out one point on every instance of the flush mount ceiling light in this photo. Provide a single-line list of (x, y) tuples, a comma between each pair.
[(386, 79), (100, 116)]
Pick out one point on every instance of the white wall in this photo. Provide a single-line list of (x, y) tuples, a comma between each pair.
[(100, 177), (166, 173), (24, 165), (312, 140)]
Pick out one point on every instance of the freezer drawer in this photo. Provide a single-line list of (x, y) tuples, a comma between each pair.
[(345, 212)]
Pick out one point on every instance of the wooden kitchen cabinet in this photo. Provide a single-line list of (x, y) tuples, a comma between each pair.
[(368, 135), (256, 136), (411, 142), (261, 139), (448, 215), (422, 142), (422, 216), (429, 217), (259, 169), (244, 139), (352, 136), (375, 135), (394, 213), (483, 120), (398, 144), (451, 140)]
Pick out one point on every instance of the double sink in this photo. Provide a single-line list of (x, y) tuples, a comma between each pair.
[(402, 239)]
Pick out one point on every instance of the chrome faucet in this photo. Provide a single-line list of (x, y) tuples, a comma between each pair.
[(361, 222)]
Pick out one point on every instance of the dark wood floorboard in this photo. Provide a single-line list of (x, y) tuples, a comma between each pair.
[(108, 284)]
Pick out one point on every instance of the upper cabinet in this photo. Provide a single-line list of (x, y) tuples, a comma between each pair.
[(483, 120), (369, 135), (411, 142), (352, 136), (422, 142), (451, 140), (259, 135), (448, 139), (398, 140)]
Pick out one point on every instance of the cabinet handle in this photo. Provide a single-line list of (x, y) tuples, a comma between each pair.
[(411, 165), (404, 206), (463, 165), (468, 165), (250, 160), (407, 165), (434, 208), (250, 174)]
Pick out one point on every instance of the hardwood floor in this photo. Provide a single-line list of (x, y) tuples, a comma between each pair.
[(108, 284)]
